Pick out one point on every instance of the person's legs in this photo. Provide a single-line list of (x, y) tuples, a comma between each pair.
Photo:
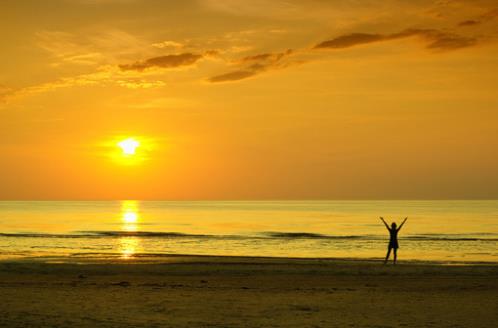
[(387, 256), (395, 253)]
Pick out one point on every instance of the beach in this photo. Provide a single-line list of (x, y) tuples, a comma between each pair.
[(210, 291)]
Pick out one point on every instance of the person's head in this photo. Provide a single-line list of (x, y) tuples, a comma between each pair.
[(393, 225)]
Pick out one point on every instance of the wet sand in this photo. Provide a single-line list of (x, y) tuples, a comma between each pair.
[(193, 291)]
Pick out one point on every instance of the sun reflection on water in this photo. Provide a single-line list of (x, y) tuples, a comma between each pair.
[(128, 247), (130, 215), (130, 218)]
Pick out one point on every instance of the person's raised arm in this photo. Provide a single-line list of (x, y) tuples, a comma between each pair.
[(401, 225), (387, 226)]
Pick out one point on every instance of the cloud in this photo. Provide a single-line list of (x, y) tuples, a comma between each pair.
[(338, 13), (67, 48), (280, 8), (492, 14), (106, 76), (5, 92), (470, 22), (140, 84), (91, 47), (438, 40), (267, 57), (168, 61), (435, 39), (233, 76), (168, 44), (350, 40), (484, 18), (250, 66), (101, 2), (253, 65), (446, 41)]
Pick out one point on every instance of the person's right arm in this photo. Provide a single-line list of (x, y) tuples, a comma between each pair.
[(387, 226)]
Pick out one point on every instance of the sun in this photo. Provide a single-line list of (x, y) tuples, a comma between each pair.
[(129, 150), (129, 146)]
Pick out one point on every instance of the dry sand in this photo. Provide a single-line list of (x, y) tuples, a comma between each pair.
[(190, 291)]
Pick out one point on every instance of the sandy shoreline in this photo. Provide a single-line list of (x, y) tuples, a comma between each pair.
[(199, 291)]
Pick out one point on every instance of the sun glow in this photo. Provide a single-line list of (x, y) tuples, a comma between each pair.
[(129, 146), (129, 150)]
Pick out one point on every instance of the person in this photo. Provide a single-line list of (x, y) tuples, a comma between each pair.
[(393, 240)]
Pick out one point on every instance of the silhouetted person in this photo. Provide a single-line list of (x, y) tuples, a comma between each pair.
[(393, 240)]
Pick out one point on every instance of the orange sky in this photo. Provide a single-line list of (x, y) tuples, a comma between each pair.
[(257, 99)]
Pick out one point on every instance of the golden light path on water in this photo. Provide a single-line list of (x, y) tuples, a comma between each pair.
[(130, 219), (436, 230)]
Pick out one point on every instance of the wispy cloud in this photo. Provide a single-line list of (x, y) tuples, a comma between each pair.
[(484, 18), (104, 77), (435, 39), (269, 58), (167, 61), (91, 48), (140, 83), (66, 48), (252, 65), (168, 44), (469, 22), (105, 51), (5, 92), (101, 2), (281, 8), (350, 40), (233, 76)]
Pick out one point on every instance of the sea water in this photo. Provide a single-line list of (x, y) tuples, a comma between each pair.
[(446, 231)]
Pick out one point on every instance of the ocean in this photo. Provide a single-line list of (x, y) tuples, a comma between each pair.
[(443, 231)]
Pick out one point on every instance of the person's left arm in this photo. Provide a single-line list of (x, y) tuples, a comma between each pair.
[(401, 225)]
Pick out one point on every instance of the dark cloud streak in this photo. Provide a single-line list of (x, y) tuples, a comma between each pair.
[(488, 16), (350, 40), (232, 76), (253, 65), (436, 40), (470, 22), (168, 61)]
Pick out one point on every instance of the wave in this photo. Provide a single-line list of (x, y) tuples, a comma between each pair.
[(262, 235), (307, 235), (147, 234), (426, 237), (100, 234), (446, 238), (143, 234), (40, 235)]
